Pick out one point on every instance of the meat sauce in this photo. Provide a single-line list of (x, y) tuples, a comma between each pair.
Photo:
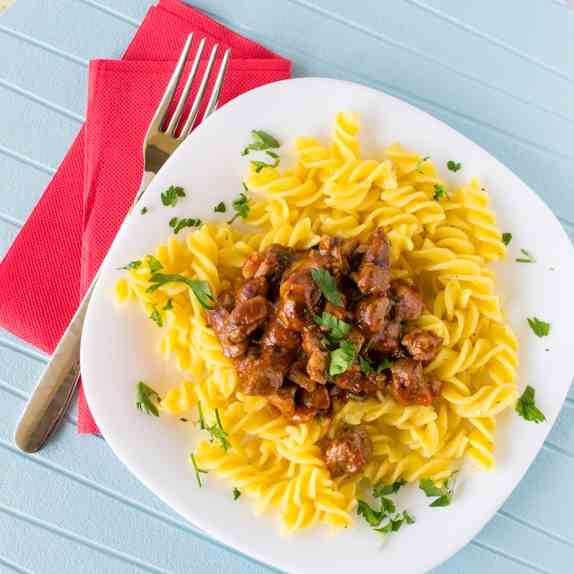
[(269, 327)]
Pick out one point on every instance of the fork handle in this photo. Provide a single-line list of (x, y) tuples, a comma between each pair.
[(53, 393)]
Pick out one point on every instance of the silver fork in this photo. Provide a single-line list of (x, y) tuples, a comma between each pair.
[(55, 388)]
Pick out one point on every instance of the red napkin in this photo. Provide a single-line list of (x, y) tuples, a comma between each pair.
[(58, 251)]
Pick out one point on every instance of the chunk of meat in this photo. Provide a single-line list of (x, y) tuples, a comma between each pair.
[(422, 345), (317, 360), (372, 279), (409, 386), (276, 334), (357, 337), (348, 452), (226, 299), (372, 312), (338, 311), (293, 315), (263, 374), (318, 399), (355, 382), (229, 335), (300, 287), (378, 249), (252, 288), (297, 374), (303, 414), (335, 253), (387, 341), (409, 303), (284, 400), (269, 263), (250, 314)]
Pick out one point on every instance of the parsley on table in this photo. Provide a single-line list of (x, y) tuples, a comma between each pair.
[(177, 224), (197, 470), (453, 165), (258, 165), (506, 238), (220, 207), (526, 407), (240, 206), (144, 210), (153, 264), (131, 265), (147, 399), (236, 493), (540, 328), (199, 287), (326, 282), (261, 141), (439, 192), (528, 257), (171, 195), (443, 494), (342, 358), (156, 317), (338, 329)]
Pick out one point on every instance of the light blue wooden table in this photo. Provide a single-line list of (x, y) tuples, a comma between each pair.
[(500, 71)]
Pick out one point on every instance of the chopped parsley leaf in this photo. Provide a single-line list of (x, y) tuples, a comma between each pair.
[(326, 282), (199, 287), (526, 407), (147, 399), (259, 165), (261, 141), (396, 522), (131, 265), (338, 329), (217, 432), (453, 165), (201, 419), (540, 328), (144, 210), (240, 206), (366, 367), (156, 317), (220, 207), (178, 224), (384, 364), (528, 257), (372, 516), (236, 493), (439, 192), (342, 358), (168, 305), (386, 489), (153, 264), (444, 493), (506, 238), (171, 195), (420, 163), (197, 470)]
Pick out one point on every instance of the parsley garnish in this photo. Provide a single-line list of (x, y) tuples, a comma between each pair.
[(197, 470), (241, 207), (259, 165), (384, 364), (328, 286), (178, 224), (540, 328), (144, 210), (171, 195), (526, 407), (506, 238), (453, 165), (153, 264), (372, 516), (528, 257), (236, 493), (444, 493), (366, 367), (220, 207), (342, 358), (146, 399), (168, 305), (420, 162), (131, 265), (200, 288), (217, 431), (395, 523), (439, 192), (386, 489), (338, 329), (261, 141), (201, 419), (156, 317)]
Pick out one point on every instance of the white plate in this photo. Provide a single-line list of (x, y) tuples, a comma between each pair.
[(118, 346)]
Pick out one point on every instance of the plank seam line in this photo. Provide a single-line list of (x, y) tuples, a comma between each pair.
[(183, 526), (538, 529), (26, 160), (510, 557), (399, 92), (382, 37), (44, 46), (500, 43), (111, 12), (63, 532), (31, 353), (13, 566), (557, 449), (42, 101), (11, 220)]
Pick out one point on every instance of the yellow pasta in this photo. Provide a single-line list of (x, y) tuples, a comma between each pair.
[(444, 245)]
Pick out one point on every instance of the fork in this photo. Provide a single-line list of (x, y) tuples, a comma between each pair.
[(53, 393)]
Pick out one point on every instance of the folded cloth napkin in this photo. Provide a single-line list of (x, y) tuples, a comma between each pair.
[(58, 251)]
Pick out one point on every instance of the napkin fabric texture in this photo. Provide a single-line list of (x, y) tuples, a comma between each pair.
[(58, 251)]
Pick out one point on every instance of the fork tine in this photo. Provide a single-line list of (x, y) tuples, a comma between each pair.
[(212, 103), (159, 115), (199, 96), (185, 92)]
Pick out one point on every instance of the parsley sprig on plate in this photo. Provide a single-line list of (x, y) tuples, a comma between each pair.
[(172, 195), (326, 282), (147, 399), (337, 328), (200, 288), (443, 493), (526, 407)]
